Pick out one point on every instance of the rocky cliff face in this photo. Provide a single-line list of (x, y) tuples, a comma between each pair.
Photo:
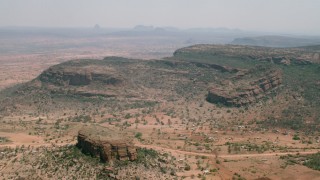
[(78, 77), (106, 144), (245, 95)]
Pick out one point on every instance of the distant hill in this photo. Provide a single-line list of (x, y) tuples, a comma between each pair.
[(311, 48), (277, 41)]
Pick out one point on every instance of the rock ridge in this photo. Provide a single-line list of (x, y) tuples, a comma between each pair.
[(240, 96)]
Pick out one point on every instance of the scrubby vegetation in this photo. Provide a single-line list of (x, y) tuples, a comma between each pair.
[(4, 140), (69, 162), (162, 104), (312, 161)]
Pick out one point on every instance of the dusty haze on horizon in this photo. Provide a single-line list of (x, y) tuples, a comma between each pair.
[(285, 16)]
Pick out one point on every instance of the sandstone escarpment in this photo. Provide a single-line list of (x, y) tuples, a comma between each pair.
[(106, 144), (83, 78), (300, 56), (218, 67), (239, 96), (79, 76)]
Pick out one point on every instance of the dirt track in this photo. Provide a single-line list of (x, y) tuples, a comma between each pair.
[(162, 149), (224, 155)]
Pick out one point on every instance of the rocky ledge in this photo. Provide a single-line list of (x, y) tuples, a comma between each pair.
[(233, 96), (106, 144), (80, 76)]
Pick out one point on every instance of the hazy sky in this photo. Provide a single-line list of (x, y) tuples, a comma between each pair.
[(298, 16)]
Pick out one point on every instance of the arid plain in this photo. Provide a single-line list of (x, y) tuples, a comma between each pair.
[(165, 100)]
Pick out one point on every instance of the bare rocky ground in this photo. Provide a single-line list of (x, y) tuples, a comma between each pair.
[(162, 105)]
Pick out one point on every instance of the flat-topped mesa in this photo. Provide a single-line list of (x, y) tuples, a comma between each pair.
[(106, 144), (298, 55), (248, 95), (80, 76)]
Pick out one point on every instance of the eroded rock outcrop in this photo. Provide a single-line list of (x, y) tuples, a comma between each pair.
[(106, 144), (239, 96), (79, 77)]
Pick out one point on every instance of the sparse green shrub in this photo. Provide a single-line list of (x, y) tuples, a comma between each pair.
[(313, 161), (187, 167), (138, 135), (296, 137)]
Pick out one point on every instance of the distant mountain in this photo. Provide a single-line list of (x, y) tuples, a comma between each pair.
[(215, 30), (143, 28), (277, 41)]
